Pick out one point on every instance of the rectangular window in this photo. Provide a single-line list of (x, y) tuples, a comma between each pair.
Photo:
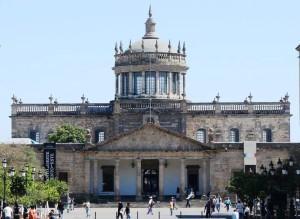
[(150, 82), (201, 135), (125, 84), (234, 135), (63, 176), (175, 82), (163, 83), (137, 83), (267, 135), (34, 135), (108, 178), (100, 136)]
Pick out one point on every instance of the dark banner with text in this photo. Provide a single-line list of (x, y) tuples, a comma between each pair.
[(50, 160)]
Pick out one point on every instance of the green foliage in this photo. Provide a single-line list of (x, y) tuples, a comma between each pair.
[(68, 134), (18, 186), (26, 190), (248, 186)]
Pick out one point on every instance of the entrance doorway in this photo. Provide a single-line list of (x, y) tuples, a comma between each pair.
[(193, 178), (150, 177)]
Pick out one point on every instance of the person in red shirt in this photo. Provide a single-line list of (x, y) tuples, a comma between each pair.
[(32, 213)]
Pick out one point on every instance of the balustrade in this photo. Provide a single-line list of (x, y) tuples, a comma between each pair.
[(107, 108), (145, 58)]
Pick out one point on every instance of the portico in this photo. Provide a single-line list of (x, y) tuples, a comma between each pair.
[(131, 178), (158, 171)]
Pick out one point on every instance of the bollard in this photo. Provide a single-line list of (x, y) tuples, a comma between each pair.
[(116, 215), (159, 215), (137, 214), (201, 213), (180, 214), (95, 215)]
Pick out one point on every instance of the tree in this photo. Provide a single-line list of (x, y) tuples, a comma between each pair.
[(68, 134)]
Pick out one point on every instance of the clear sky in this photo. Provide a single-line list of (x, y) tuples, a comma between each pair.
[(66, 48)]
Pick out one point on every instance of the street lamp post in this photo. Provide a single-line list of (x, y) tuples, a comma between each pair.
[(4, 165)]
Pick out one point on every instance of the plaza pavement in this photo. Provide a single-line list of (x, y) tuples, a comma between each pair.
[(110, 213)]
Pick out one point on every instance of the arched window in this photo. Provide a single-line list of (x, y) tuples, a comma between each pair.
[(234, 135), (150, 79), (99, 136), (137, 83), (125, 83), (201, 135), (267, 135), (34, 135)]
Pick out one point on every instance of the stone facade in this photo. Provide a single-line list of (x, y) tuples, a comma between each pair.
[(176, 157)]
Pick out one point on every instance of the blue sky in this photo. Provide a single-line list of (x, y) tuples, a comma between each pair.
[(66, 48)]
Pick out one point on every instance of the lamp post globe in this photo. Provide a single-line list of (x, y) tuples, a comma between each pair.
[(4, 163), (12, 172), (23, 172), (40, 174)]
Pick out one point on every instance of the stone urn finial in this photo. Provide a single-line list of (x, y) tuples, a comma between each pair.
[(14, 99), (51, 98), (88, 136), (82, 98)]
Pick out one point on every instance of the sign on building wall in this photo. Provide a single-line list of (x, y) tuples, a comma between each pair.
[(50, 160)]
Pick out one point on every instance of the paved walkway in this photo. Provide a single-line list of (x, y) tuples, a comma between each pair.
[(136, 213)]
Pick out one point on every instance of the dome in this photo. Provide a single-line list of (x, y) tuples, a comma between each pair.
[(149, 46)]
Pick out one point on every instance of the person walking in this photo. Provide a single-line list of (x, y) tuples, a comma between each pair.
[(60, 208), (150, 205), (16, 211), (72, 204), (119, 212), (32, 213), (172, 205), (127, 210), (218, 203), (213, 203), (227, 203), (247, 212), (25, 212), (240, 209), (87, 206), (51, 214), (188, 198), (69, 200), (7, 211), (207, 208)]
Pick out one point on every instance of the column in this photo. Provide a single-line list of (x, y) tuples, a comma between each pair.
[(96, 177), (178, 90), (183, 84), (130, 90), (87, 166), (117, 179), (157, 83), (143, 83), (161, 178), (204, 176), (117, 84), (182, 177), (169, 83), (138, 179)]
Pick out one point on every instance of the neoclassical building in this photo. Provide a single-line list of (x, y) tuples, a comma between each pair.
[(151, 139)]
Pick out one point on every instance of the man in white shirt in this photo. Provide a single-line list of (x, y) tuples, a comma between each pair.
[(8, 212)]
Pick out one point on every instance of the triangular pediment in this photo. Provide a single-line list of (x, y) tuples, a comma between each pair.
[(150, 137)]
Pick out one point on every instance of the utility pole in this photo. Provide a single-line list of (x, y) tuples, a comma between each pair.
[(298, 49)]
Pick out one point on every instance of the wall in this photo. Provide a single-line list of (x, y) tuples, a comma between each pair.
[(247, 125)]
